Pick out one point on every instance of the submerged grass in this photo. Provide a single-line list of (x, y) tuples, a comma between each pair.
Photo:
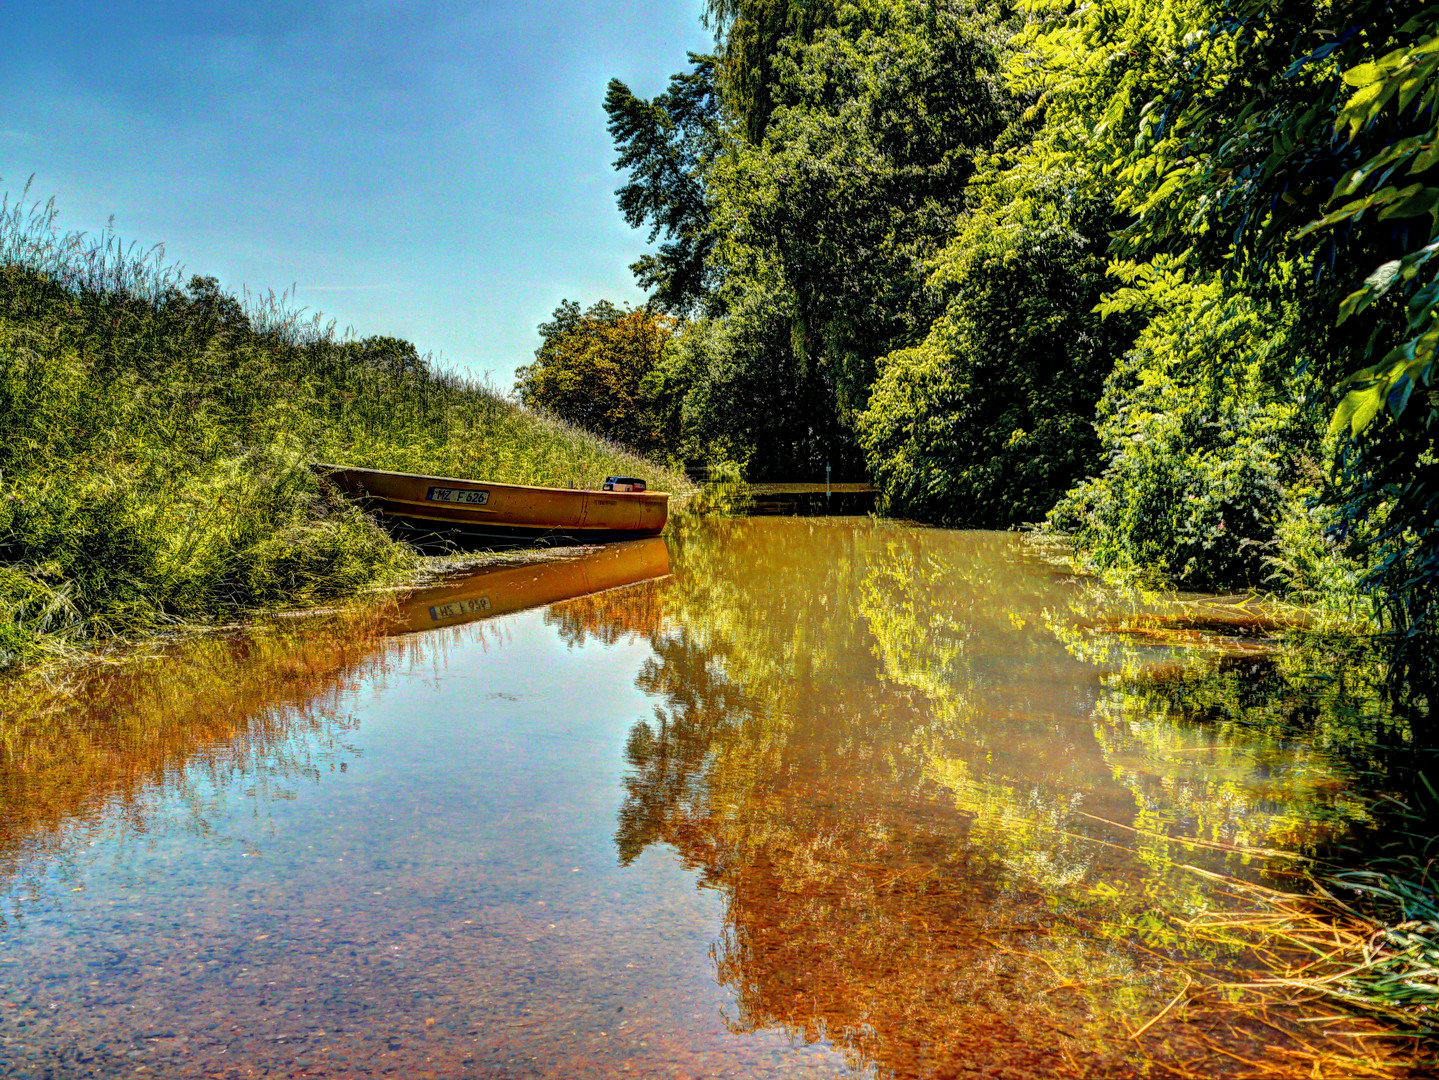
[(155, 442), (1353, 957), (1353, 934), (1366, 937)]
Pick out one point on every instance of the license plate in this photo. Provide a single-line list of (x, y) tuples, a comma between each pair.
[(478, 606), (456, 495)]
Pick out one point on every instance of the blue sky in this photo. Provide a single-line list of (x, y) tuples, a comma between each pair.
[(439, 172)]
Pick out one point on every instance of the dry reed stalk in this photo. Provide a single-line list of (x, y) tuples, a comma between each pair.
[(1188, 841), (1188, 982)]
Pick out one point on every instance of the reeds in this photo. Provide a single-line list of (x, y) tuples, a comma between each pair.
[(155, 443), (1362, 944), (30, 237)]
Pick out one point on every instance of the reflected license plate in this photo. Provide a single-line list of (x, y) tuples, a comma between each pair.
[(477, 606), (455, 495)]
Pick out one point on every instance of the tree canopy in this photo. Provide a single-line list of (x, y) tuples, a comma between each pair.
[(667, 144), (593, 370), (1161, 273)]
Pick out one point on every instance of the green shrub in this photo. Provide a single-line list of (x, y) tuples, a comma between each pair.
[(1212, 446)]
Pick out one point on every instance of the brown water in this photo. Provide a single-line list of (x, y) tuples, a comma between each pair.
[(832, 798)]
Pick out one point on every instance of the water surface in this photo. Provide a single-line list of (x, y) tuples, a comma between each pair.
[(775, 797)]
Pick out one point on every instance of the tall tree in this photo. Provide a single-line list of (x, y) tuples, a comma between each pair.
[(862, 173), (807, 235), (667, 144), (751, 33), (1254, 136)]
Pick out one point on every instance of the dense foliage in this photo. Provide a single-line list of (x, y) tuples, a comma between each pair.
[(989, 420), (1202, 458), (798, 224), (1265, 141), (1161, 272), (596, 369)]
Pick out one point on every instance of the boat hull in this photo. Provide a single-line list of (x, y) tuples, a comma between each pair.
[(445, 512)]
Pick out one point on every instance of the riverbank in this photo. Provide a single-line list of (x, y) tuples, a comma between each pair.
[(154, 469)]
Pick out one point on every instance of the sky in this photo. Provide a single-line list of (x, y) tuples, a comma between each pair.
[(434, 171)]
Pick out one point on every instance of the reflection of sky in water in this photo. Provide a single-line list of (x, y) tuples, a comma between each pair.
[(929, 837), (450, 900)]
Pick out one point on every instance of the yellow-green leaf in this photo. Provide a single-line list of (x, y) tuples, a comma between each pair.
[(1363, 74)]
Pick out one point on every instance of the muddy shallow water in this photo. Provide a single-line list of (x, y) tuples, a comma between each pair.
[(773, 797)]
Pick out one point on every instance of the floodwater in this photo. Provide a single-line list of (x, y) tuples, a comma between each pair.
[(773, 797)]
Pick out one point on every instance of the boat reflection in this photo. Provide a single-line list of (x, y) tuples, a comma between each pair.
[(92, 754), (499, 590)]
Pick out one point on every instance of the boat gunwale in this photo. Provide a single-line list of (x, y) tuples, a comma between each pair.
[(492, 527), (324, 468)]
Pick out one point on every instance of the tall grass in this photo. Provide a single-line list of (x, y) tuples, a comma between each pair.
[(155, 442)]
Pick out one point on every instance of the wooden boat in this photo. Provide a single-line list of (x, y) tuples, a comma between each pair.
[(498, 590), (443, 512)]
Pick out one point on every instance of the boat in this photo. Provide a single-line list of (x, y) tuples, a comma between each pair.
[(445, 512), (499, 590)]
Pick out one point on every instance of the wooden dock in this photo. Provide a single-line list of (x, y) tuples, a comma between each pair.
[(821, 488), (802, 497)]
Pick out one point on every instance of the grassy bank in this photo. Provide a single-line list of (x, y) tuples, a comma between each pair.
[(156, 441)]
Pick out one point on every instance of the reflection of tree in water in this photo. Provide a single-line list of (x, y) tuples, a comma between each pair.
[(1264, 705), (871, 743), (103, 749), (1315, 714), (634, 611), (853, 905), (667, 787)]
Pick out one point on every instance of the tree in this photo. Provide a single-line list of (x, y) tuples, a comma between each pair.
[(593, 369), (861, 175), (988, 420), (752, 32), (667, 145), (745, 396), (802, 235), (1256, 136)]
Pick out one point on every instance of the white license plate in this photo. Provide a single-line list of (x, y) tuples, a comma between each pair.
[(456, 495), (477, 606)]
